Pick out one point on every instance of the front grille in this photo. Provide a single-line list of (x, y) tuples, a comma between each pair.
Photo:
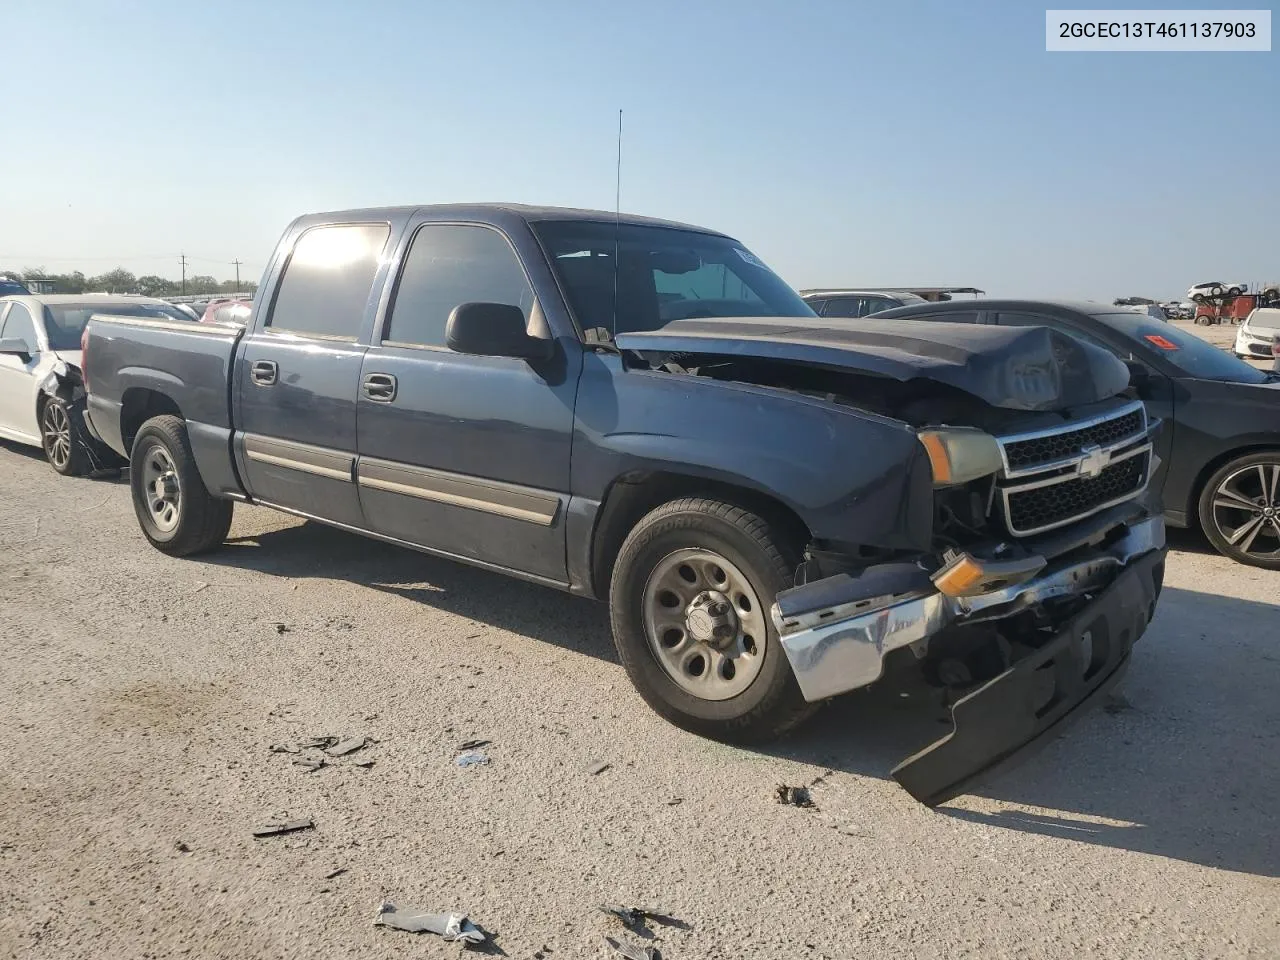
[(1040, 508), (1036, 451)]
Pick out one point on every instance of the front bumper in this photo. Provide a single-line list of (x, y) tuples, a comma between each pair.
[(1005, 719), (841, 642), (839, 648), (1252, 344)]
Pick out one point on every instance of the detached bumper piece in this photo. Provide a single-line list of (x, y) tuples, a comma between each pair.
[(1004, 720), (837, 633)]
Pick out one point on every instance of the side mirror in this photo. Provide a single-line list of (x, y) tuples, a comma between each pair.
[(494, 330), (1138, 373), (15, 347)]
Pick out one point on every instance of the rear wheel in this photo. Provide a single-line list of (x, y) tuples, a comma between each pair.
[(174, 508), (689, 600), (1240, 510)]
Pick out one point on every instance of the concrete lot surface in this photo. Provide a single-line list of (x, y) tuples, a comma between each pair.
[(141, 696)]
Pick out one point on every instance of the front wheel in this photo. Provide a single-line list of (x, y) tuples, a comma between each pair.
[(174, 508), (1240, 510), (689, 602), (60, 436)]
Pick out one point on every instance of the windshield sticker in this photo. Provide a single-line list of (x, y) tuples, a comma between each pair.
[(1162, 342), (749, 258)]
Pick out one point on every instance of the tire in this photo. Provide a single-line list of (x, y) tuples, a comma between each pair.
[(173, 506), (62, 437), (727, 546), (1240, 510)]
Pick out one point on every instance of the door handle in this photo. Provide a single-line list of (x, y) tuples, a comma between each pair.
[(264, 372), (380, 387)]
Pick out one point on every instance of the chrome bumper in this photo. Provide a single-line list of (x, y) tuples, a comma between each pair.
[(842, 646)]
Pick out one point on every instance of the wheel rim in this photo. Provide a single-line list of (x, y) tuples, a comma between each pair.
[(161, 488), (1246, 510), (56, 430), (705, 623)]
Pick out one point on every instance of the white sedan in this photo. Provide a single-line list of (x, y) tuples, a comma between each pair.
[(1214, 289), (41, 388)]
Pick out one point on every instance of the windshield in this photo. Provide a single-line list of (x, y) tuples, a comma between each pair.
[(64, 322), (663, 274), (1184, 350)]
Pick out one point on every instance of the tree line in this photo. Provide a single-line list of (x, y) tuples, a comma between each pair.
[(120, 280)]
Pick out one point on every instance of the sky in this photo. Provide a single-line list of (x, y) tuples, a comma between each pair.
[(929, 143)]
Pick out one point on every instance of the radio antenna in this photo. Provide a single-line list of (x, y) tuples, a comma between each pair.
[(617, 223)]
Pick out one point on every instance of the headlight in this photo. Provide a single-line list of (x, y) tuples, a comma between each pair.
[(960, 454)]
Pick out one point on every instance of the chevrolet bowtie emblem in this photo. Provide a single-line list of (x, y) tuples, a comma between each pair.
[(1093, 460)]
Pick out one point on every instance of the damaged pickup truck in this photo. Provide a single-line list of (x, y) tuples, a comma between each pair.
[(778, 509)]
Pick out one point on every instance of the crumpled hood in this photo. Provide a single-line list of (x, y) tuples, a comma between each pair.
[(70, 357), (1017, 368)]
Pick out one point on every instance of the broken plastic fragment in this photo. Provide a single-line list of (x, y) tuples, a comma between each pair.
[(308, 764), (600, 766), (350, 745), (471, 758), (317, 743), (633, 952), (472, 745), (451, 926), (795, 796), (289, 826)]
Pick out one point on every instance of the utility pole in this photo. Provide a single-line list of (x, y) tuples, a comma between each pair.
[(237, 263), (183, 260)]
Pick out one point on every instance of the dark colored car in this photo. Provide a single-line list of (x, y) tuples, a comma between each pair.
[(642, 412), (1220, 445)]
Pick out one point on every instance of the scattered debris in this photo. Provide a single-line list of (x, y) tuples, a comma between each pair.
[(282, 628), (181, 846), (471, 758), (202, 586), (1116, 703), (451, 926), (335, 873), (364, 764), (283, 748), (289, 826), (350, 745), (599, 767), (317, 743), (472, 745), (632, 951), (794, 796), (309, 764), (675, 801), (635, 917)]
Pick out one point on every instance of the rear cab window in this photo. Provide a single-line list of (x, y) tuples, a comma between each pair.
[(325, 287)]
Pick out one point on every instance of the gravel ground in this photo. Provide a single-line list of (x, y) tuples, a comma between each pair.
[(141, 696)]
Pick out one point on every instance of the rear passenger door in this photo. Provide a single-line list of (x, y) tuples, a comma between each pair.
[(298, 373), (468, 455)]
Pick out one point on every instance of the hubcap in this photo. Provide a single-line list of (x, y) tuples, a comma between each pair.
[(57, 435), (705, 623), (161, 487), (1246, 510)]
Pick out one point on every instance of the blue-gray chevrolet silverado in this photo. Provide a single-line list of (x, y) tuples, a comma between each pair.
[(777, 508)]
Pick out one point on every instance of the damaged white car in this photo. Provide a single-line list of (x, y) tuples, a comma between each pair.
[(41, 376)]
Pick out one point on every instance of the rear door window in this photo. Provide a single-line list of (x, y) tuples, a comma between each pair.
[(843, 307), (326, 284)]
